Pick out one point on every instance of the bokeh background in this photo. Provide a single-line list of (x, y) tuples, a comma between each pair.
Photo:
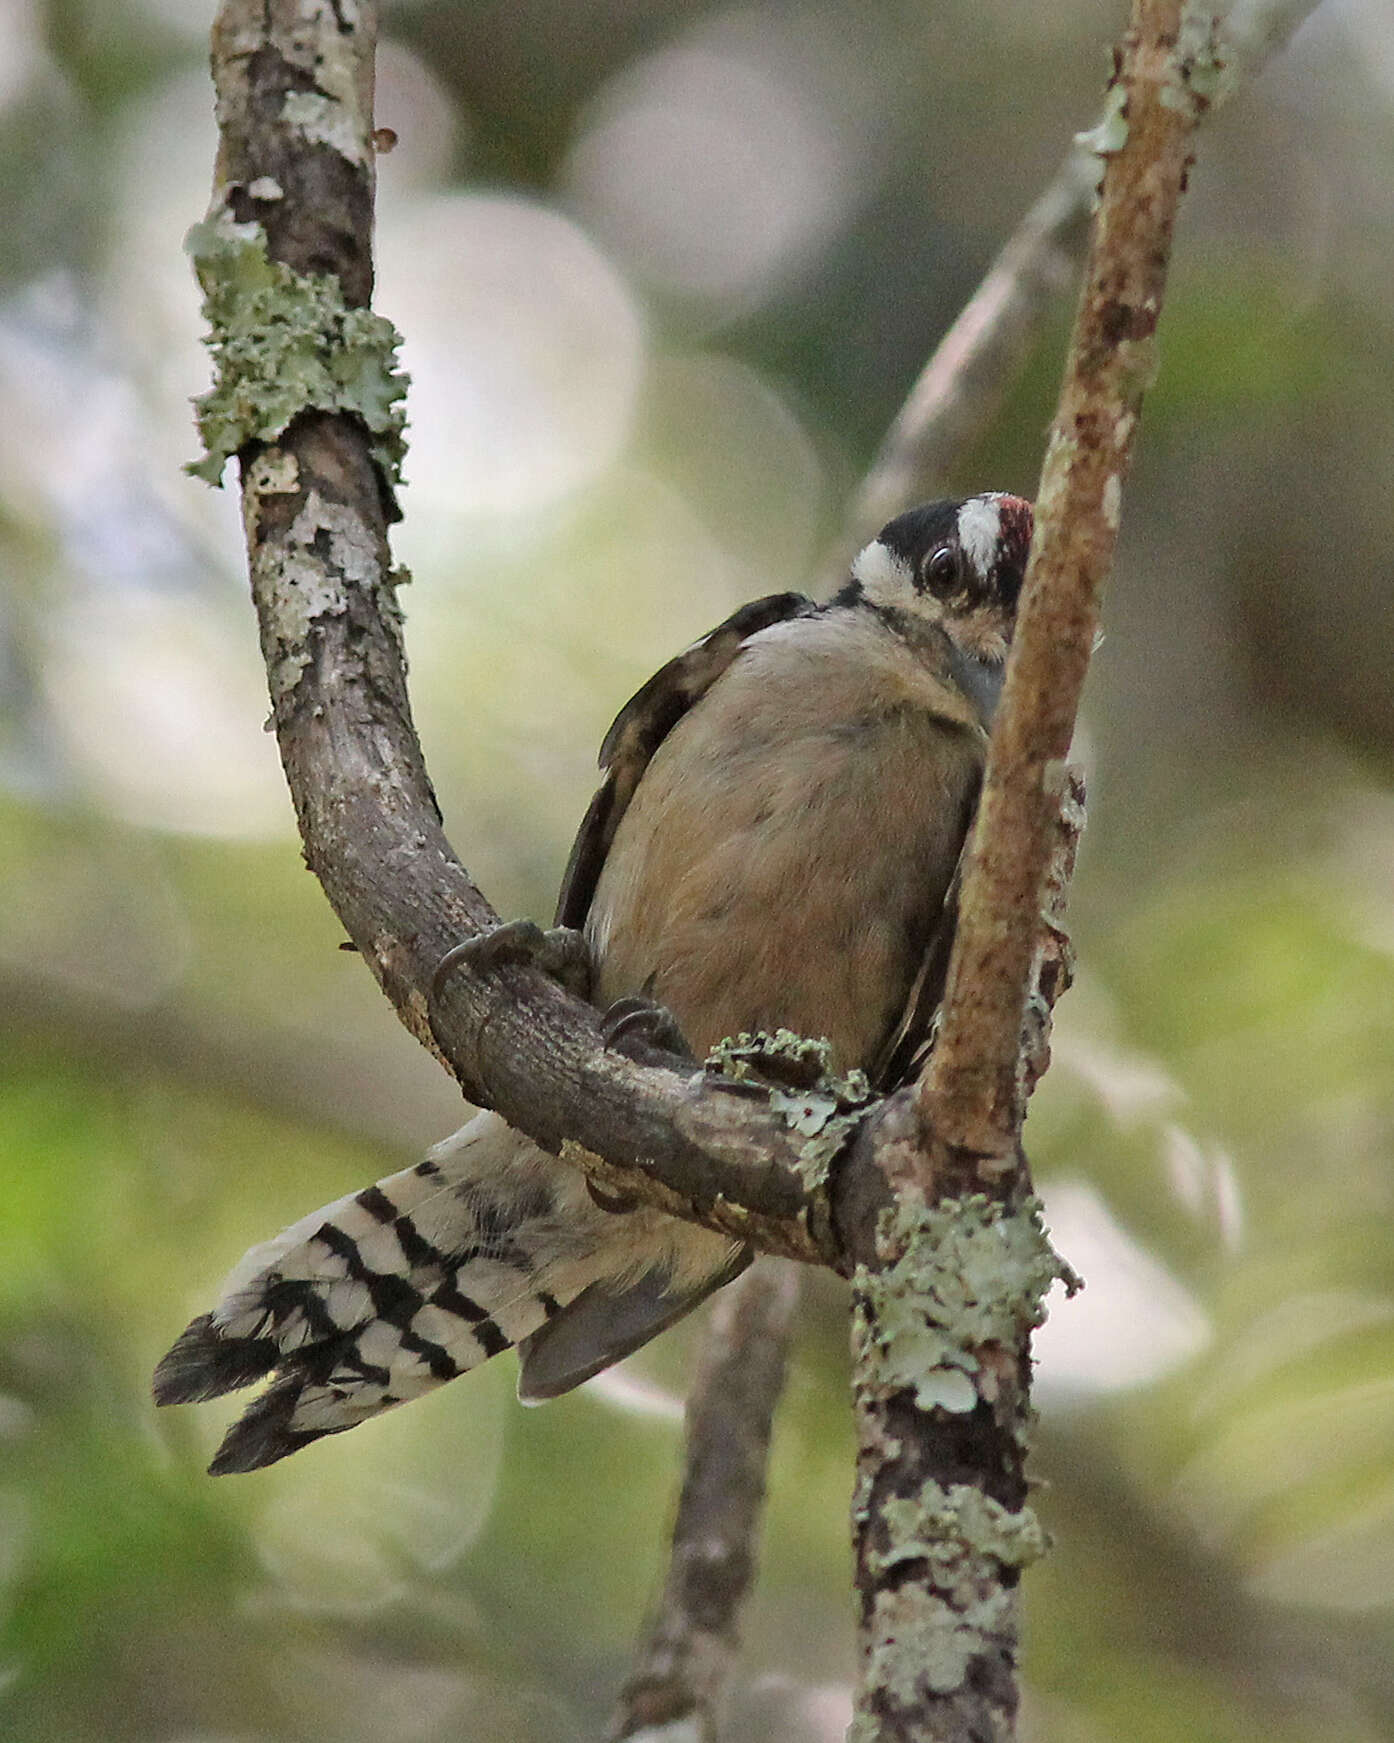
[(665, 270)]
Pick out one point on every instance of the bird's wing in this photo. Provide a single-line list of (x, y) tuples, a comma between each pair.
[(606, 1323), (902, 1053), (642, 725)]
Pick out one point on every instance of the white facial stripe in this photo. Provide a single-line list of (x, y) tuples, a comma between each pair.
[(979, 528), (886, 578)]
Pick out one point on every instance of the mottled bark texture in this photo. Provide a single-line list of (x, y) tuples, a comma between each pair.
[(945, 1298), (683, 1664)]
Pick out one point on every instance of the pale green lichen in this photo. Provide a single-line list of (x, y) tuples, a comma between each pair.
[(1199, 74), (758, 1057), (838, 1116), (931, 1631), (1109, 134), (823, 1108), (284, 343), (955, 1526), (921, 1641), (324, 120), (961, 1274), (946, 1388)]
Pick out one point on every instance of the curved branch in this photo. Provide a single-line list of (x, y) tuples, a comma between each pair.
[(295, 176)]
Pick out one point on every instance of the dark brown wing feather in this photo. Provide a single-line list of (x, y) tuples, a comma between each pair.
[(642, 725), (902, 1052)]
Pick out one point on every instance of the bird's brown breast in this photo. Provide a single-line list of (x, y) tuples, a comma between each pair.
[(785, 858)]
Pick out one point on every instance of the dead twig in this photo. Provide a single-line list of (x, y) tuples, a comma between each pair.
[(683, 1664)]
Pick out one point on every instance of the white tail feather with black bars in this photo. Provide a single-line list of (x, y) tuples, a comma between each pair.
[(387, 1293)]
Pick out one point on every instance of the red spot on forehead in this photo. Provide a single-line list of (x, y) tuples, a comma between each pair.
[(1017, 522)]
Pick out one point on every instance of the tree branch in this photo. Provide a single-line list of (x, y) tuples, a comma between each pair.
[(680, 1673), (292, 202), (942, 1397), (949, 1280), (971, 1095)]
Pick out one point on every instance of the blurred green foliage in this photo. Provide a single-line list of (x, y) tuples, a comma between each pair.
[(189, 1061)]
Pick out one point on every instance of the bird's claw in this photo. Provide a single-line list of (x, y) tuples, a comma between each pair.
[(559, 952), (644, 1032), (612, 1203)]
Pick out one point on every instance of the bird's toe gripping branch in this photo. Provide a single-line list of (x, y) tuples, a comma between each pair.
[(560, 952), (645, 1032)]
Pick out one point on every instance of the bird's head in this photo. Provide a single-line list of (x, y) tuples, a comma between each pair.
[(957, 565)]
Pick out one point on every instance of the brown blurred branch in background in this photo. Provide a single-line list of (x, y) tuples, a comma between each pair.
[(684, 1661), (963, 386)]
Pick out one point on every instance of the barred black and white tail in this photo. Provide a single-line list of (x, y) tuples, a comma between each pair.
[(383, 1295)]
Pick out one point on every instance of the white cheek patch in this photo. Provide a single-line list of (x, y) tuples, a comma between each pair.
[(885, 578), (979, 529)]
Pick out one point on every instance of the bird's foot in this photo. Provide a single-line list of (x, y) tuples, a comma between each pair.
[(559, 952), (645, 1032)]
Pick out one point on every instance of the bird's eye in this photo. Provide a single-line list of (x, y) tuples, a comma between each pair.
[(942, 568)]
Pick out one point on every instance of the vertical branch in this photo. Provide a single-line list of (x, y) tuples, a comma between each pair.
[(945, 1307), (969, 1096), (944, 1303), (947, 1296), (680, 1673)]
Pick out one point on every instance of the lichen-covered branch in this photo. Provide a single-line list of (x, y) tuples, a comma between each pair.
[(675, 1689), (941, 1369), (945, 1306), (948, 1289), (285, 257)]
